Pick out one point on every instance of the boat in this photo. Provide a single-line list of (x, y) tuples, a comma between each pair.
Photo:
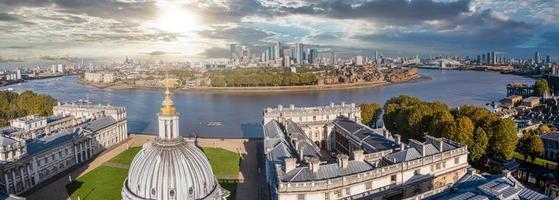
[(213, 124)]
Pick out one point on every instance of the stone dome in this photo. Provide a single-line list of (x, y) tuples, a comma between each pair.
[(171, 169)]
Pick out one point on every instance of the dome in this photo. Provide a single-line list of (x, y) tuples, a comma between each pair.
[(171, 169)]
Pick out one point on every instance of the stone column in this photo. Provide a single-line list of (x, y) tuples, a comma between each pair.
[(76, 153), (14, 179), (24, 184), (7, 184)]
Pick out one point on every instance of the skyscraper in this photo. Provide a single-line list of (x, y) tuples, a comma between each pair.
[(278, 51), (299, 53), (233, 52), (537, 57)]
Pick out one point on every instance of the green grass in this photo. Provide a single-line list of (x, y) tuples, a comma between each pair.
[(101, 183), (106, 182), (224, 162), (127, 156), (539, 161)]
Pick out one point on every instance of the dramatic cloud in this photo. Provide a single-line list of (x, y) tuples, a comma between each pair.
[(215, 52), (175, 29), (9, 60)]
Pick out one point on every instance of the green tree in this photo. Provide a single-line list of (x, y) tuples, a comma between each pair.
[(503, 140), (540, 87), (439, 122), (462, 131), (479, 145), (370, 112), (531, 146)]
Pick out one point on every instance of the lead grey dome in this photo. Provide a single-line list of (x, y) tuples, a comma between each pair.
[(171, 169)]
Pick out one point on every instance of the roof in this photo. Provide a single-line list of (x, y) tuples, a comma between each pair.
[(51, 141), (529, 99), (360, 135), (100, 123), (306, 145), (275, 143), (550, 136), (6, 140), (327, 171), (475, 186)]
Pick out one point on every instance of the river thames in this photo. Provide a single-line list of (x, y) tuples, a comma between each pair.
[(241, 113)]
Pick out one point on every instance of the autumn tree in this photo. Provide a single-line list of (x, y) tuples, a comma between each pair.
[(503, 140), (531, 146), (479, 146)]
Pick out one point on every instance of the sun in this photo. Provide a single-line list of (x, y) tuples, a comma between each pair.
[(176, 19)]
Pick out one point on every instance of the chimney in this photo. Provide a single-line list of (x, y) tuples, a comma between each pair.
[(291, 107), (332, 104), (280, 107), (343, 161), (314, 164), (358, 155), (290, 164), (398, 139), (418, 145), (438, 142), (295, 142), (343, 103), (301, 152)]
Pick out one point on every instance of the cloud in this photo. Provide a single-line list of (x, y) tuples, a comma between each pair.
[(393, 11), (241, 35), (215, 52), (9, 60), (160, 53), (59, 58), (19, 47)]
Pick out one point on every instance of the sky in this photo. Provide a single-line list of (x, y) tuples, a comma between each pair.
[(34, 31)]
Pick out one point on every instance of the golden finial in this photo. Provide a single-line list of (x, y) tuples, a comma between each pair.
[(168, 107)]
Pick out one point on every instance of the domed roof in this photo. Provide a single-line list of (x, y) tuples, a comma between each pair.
[(171, 169)]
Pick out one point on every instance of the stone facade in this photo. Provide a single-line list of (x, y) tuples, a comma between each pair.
[(361, 162), (64, 141)]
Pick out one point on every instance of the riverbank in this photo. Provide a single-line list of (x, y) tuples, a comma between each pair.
[(263, 89)]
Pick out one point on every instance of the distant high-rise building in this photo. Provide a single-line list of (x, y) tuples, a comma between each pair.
[(537, 57), (488, 62), (376, 56), (299, 53), (478, 61), (313, 53), (547, 59), (278, 51), (233, 52)]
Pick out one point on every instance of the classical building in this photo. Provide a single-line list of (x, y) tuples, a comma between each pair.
[(34, 149), (170, 167), (99, 77), (358, 162), (316, 122)]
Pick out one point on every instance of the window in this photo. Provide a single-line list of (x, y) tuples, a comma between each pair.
[(368, 185), (300, 196), (313, 117), (417, 172), (347, 191), (327, 196), (338, 193), (393, 178), (456, 161)]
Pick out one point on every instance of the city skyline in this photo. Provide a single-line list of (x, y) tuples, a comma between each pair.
[(104, 30)]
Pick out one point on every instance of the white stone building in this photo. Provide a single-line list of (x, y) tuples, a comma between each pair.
[(34, 149), (99, 77)]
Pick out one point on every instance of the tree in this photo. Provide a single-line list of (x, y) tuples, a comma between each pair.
[(540, 87), (531, 146), (503, 140), (369, 112), (479, 145), (439, 122), (462, 131)]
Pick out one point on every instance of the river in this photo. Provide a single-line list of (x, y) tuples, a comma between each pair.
[(241, 114)]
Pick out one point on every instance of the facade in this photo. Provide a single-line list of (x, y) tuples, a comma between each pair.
[(551, 145), (520, 89), (316, 122), (34, 149), (99, 77), (530, 102), (170, 167), (358, 163)]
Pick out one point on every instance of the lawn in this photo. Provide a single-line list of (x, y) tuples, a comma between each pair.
[(538, 161), (101, 183), (127, 156), (106, 182), (224, 162)]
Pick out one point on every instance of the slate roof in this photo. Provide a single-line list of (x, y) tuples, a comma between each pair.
[(360, 135), (274, 139), (475, 186), (100, 123), (403, 156), (554, 136), (6, 140), (326, 171), (309, 148), (51, 141)]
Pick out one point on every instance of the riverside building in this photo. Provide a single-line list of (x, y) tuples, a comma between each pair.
[(34, 148)]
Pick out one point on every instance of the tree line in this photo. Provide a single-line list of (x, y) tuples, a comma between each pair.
[(485, 134), (253, 77), (14, 105)]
